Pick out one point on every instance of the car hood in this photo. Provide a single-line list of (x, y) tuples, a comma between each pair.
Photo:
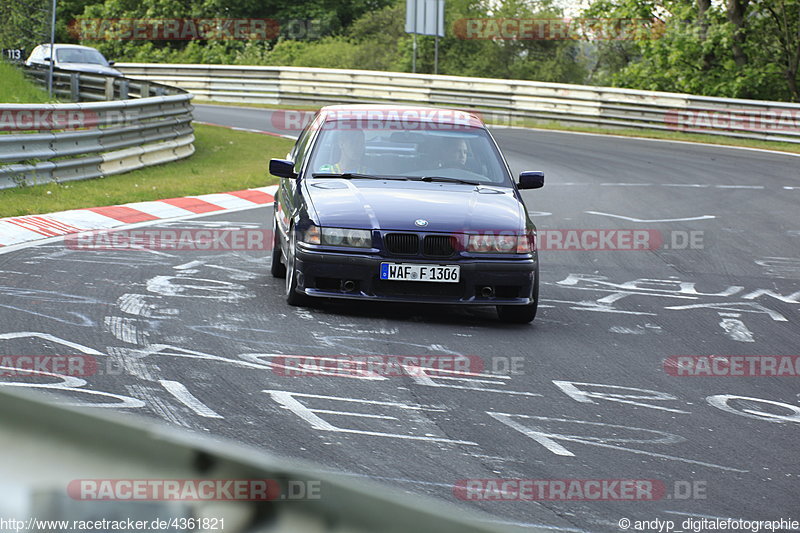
[(396, 205), (91, 69)]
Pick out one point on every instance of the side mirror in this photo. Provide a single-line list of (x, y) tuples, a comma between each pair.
[(47, 60), (111, 63), (531, 179), (282, 168)]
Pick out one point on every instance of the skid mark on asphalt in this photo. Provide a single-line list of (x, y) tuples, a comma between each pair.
[(125, 329), (137, 305), (638, 330), (780, 267), (131, 362), (157, 405), (189, 287)]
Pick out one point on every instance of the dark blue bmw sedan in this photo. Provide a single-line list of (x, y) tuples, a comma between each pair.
[(390, 203)]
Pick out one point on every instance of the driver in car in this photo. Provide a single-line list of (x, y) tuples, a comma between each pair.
[(351, 153)]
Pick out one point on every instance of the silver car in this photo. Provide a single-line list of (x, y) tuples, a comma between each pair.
[(73, 57)]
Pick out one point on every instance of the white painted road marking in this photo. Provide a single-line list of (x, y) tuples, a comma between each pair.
[(288, 401), (633, 219), (548, 439), (180, 392)]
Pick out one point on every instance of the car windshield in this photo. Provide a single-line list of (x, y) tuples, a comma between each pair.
[(80, 55), (438, 152)]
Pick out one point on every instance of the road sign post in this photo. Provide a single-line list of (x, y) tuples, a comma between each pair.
[(425, 17), (52, 50)]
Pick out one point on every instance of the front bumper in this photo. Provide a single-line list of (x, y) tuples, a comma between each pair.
[(325, 274)]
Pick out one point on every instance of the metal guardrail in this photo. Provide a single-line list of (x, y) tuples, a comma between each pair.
[(507, 101), (115, 448), (141, 124)]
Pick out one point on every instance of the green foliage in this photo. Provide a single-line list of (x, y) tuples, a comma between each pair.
[(542, 60), (24, 23), (734, 48), (706, 52), (362, 34)]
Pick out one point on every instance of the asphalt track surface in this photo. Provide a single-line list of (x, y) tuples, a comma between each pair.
[(213, 321)]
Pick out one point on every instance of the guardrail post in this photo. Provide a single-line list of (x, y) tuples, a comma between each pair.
[(144, 89), (75, 86), (109, 88), (124, 85)]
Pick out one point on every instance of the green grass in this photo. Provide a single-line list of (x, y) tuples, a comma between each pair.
[(224, 160), (260, 106), (15, 89)]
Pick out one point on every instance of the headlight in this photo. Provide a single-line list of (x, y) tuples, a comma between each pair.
[(334, 236), (500, 244), (359, 238), (354, 238)]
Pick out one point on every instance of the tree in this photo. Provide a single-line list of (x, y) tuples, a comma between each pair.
[(739, 48), (24, 24)]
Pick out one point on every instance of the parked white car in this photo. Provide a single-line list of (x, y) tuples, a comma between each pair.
[(73, 57)]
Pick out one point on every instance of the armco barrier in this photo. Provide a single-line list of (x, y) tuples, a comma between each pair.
[(141, 124), (503, 100)]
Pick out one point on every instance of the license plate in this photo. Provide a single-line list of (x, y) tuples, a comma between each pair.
[(414, 272)]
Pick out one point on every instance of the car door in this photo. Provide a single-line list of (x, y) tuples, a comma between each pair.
[(287, 201)]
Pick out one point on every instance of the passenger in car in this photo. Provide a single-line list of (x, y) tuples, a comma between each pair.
[(456, 155)]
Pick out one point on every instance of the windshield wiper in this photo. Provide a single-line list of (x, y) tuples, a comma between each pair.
[(451, 180), (355, 175)]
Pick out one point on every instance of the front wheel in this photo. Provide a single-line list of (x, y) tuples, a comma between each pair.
[(292, 296), (277, 268), (521, 314)]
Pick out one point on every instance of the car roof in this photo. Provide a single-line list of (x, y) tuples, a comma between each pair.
[(405, 113), (58, 46)]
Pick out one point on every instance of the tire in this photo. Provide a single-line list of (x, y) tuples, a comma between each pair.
[(293, 297), (277, 268), (521, 314)]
